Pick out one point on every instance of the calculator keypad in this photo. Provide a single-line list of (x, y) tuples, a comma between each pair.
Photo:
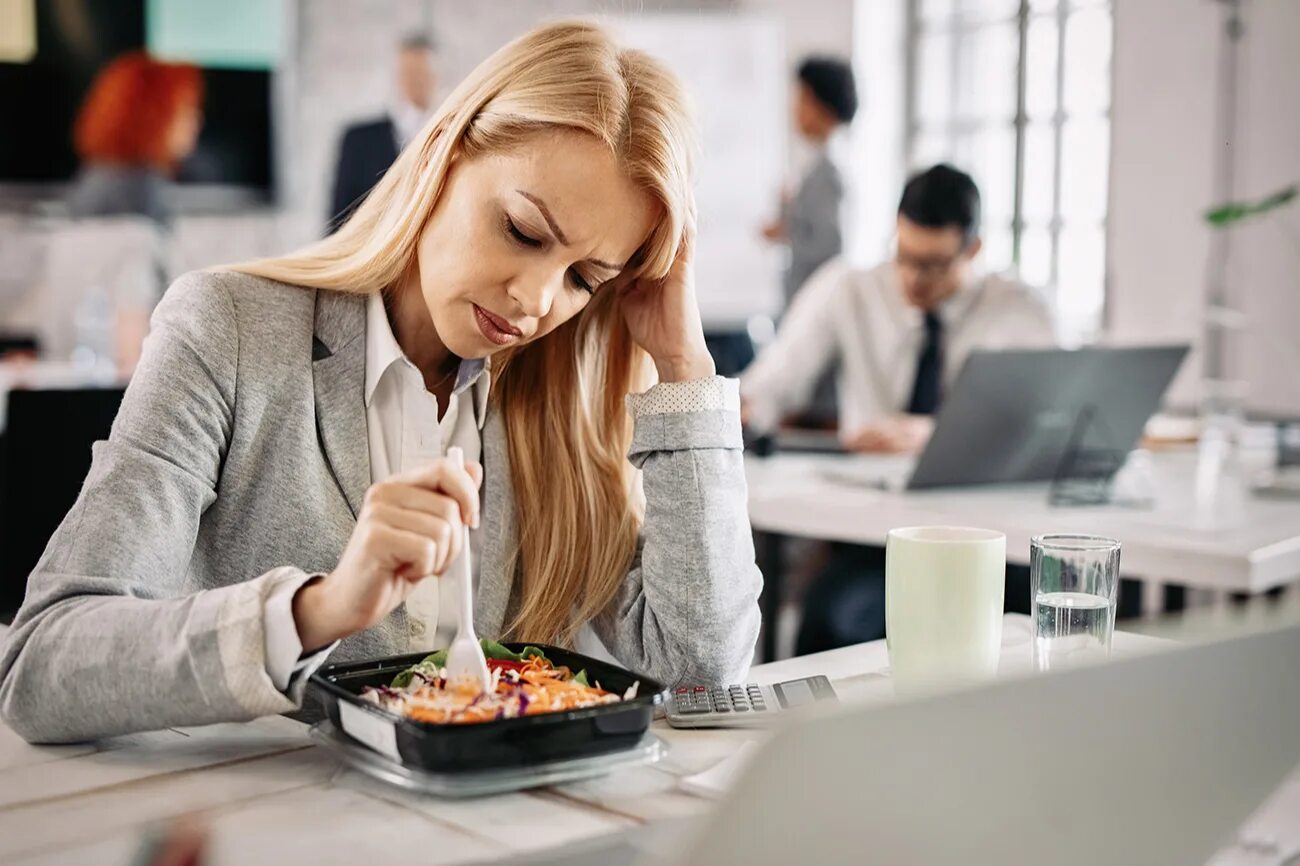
[(698, 700)]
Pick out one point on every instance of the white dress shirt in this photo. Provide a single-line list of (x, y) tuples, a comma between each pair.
[(408, 119), (859, 321), (405, 432)]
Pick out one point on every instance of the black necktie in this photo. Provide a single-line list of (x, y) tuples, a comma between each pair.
[(929, 369)]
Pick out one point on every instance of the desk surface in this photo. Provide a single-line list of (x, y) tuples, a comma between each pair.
[(270, 796), (797, 495)]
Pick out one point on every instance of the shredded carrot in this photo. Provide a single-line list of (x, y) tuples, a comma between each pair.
[(540, 688)]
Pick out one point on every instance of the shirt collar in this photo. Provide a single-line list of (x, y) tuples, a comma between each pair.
[(476, 374), (839, 146), (955, 308), (382, 352), (407, 119)]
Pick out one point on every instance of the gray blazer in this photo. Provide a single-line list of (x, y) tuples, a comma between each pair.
[(812, 218), (238, 462)]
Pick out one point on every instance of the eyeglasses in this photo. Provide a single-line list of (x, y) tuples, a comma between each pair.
[(930, 267)]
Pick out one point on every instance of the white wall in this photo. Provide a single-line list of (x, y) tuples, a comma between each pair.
[(732, 65), (877, 162), (1267, 253), (1166, 54), (469, 32)]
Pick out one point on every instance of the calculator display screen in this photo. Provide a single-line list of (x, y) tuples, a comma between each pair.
[(794, 693)]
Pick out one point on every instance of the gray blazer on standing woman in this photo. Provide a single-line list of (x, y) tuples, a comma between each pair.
[(812, 219), (238, 462)]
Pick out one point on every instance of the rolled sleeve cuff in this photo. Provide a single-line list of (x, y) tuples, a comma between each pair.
[(682, 416), (711, 394), (288, 669)]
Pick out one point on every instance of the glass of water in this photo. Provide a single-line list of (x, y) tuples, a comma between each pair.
[(1074, 581)]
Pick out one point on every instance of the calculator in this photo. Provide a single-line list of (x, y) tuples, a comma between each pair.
[(740, 706)]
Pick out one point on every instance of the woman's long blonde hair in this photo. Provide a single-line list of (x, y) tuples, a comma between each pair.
[(561, 397)]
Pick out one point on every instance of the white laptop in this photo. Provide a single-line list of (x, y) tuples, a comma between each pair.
[(1155, 760)]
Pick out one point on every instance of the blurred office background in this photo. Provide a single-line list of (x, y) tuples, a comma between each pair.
[(1100, 133)]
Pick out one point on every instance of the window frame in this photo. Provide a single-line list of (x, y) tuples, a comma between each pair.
[(962, 25)]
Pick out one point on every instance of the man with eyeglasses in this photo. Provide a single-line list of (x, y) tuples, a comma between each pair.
[(897, 335)]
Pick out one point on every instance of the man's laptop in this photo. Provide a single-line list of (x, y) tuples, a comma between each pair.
[(1013, 416), (1154, 760)]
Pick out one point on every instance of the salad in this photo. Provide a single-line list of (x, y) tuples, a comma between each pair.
[(523, 684)]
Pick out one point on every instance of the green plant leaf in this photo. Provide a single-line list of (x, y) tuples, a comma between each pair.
[(1234, 212)]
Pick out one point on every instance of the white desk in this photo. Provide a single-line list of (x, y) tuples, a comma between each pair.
[(791, 495), (270, 796), (797, 495)]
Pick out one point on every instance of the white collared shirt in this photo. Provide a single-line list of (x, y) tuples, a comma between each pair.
[(405, 433), (859, 321), (402, 420), (407, 119)]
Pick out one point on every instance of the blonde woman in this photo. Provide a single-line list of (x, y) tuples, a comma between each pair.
[(276, 489)]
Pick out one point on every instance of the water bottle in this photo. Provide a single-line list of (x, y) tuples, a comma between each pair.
[(1222, 486), (93, 324)]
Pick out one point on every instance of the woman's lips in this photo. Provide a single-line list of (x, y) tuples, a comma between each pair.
[(495, 328)]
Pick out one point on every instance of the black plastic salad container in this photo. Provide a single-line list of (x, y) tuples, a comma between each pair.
[(487, 745)]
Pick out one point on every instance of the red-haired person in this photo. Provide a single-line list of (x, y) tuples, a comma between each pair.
[(140, 119)]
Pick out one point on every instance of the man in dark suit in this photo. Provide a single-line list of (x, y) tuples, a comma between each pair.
[(369, 148)]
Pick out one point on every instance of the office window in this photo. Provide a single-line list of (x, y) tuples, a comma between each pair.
[(1017, 92)]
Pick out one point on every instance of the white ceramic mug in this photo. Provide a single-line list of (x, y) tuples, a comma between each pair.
[(944, 588)]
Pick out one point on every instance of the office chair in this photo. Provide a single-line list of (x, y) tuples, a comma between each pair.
[(15, 344), (44, 458), (732, 350)]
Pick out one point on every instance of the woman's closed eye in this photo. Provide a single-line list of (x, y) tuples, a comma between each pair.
[(580, 282), (524, 239), (527, 240)]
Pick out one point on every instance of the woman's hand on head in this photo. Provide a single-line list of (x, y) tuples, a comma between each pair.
[(409, 528), (664, 317)]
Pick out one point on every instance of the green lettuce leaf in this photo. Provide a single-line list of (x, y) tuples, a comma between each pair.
[(530, 651), (494, 650), (432, 663), (429, 666)]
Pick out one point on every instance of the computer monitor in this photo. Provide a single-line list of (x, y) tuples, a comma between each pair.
[(41, 94)]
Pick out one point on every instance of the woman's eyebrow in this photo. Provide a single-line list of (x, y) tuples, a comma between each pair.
[(606, 265), (559, 233)]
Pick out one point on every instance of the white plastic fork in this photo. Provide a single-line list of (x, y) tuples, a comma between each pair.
[(466, 664)]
